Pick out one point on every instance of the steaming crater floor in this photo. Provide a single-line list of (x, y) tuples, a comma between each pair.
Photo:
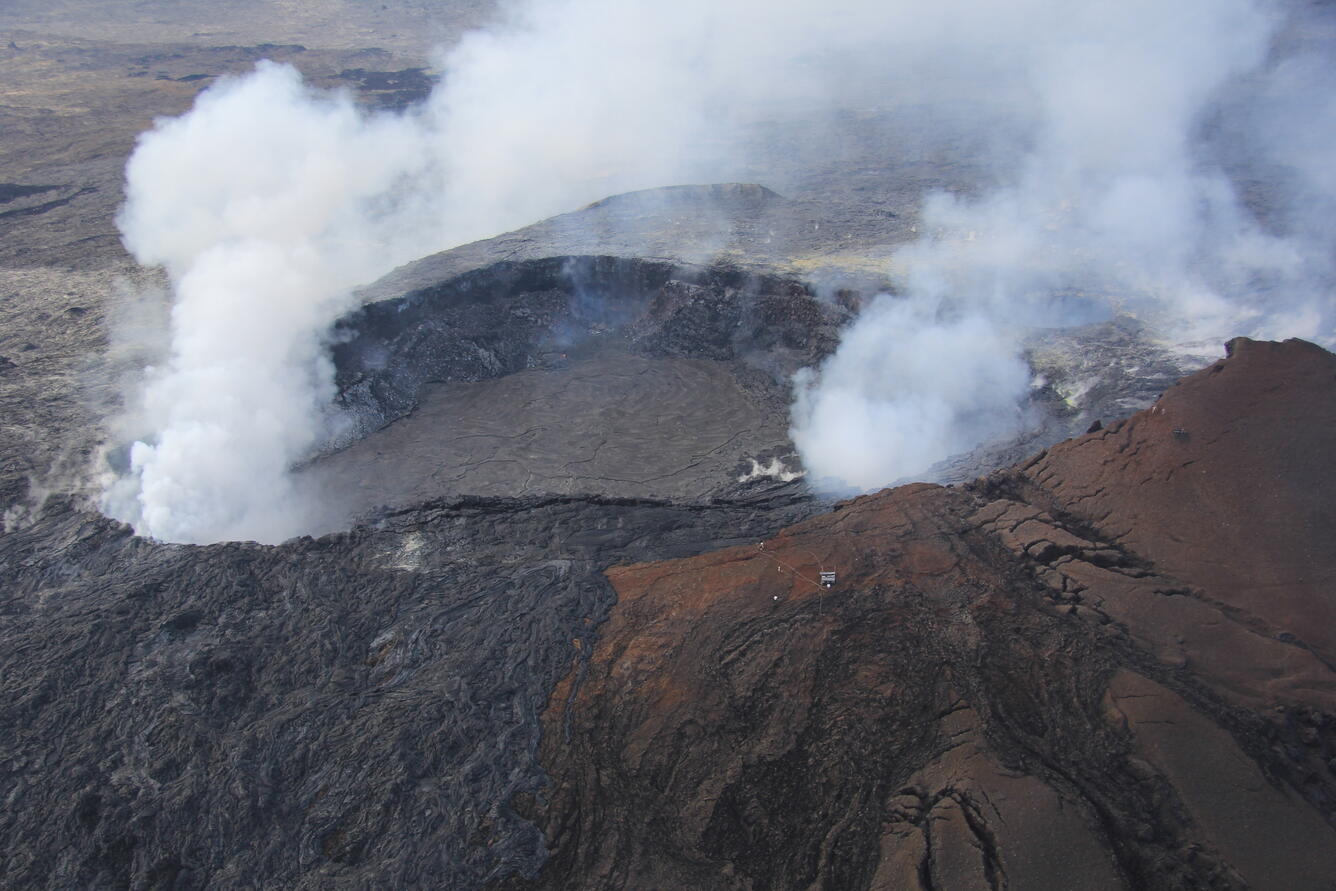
[(616, 425)]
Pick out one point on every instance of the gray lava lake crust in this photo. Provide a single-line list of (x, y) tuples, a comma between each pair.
[(616, 425)]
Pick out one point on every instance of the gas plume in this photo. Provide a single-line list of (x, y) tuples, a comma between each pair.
[(1121, 197), (264, 205), (1114, 137)]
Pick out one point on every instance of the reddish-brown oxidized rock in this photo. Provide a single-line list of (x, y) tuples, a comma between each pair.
[(1108, 668)]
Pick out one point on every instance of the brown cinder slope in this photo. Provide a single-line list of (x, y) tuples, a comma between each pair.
[(1108, 668)]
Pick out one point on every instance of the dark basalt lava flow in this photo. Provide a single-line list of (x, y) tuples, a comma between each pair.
[(353, 711), (360, 710)]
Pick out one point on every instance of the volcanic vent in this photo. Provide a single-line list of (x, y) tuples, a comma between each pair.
[(571, 375)]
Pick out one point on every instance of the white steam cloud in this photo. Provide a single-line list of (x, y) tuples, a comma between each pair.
[(1116, 196), (268, 203), (264, 205)]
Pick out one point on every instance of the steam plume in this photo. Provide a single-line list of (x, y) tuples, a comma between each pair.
[(264, 205), (1116, 196), (267, 203)]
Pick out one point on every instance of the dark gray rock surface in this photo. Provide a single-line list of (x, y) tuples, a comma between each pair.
[(616, 425), (354, 711)]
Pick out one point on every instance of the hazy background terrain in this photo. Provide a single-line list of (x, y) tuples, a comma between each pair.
[(78, 83), (409, 29)]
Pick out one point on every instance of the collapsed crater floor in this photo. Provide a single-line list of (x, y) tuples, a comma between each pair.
[(622, 425), (585, 375), (630, 377)]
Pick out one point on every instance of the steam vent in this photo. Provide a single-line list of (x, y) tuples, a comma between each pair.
[(595, 446)]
